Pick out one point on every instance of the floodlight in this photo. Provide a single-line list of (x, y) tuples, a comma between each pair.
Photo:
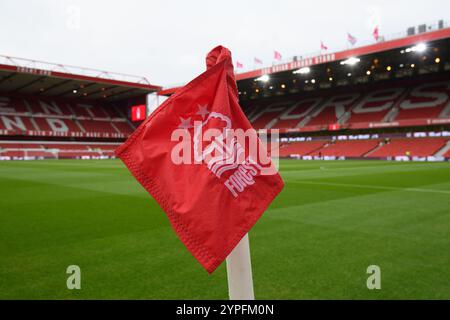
[(351, 61), (303, 70), (263, 78)]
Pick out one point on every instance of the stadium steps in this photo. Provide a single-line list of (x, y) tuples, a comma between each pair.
[(309, 116), (271, 123), (91, 114), (304, 121), (319, 148), (79, 125), (72, 111), (443, 150), (115, 128), (342, 120), (35, 125), (124, 116), (251, 114), (367, 154), (348, 114), (395, 109), (27, 105), (445, 113), (33, 122), (391, 115)]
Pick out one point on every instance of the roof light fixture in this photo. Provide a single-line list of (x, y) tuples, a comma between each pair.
[(350, 61)]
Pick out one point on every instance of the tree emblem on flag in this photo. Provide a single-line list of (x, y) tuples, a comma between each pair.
[(222, 152)]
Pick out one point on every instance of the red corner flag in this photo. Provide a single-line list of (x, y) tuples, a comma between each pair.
[(189, 156)]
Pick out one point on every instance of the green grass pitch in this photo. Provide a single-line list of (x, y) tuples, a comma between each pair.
[(332, 220)]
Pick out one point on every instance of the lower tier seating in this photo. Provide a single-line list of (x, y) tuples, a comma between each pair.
[(300, 148), (419, 147), (52, 150), (373, 148), (354, 148)]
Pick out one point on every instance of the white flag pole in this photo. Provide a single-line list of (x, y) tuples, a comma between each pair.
[(239, 272)]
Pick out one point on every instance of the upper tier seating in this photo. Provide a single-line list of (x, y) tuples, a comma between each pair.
[(425, 101), (56, 125), (382, 103), (97, 126), (332, 109), (16, 124), (11, 105), (375, 105), (124, 127), (41, 116)]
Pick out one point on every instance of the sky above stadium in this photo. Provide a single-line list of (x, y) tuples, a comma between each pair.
[(166, 41)]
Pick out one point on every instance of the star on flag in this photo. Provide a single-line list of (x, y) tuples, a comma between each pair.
[(203, 111), (185, 123)]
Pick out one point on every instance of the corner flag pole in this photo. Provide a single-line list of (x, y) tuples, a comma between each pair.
[(239, 272)]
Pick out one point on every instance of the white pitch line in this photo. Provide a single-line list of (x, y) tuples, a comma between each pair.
[(372, 187)]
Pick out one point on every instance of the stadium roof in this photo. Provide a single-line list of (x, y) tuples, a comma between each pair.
[(24, 76), (322, 59)]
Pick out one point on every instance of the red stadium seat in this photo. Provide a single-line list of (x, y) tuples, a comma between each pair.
[(112, 112), (333, 109), (56, 150), (425, 101), (12, 105), (16, 124), (124, 127), (375, 105), (12, 154), (447, 154), (5, 145), (57, 125), (352, 148), (300, 148), (384, 103), (99, 112), (98, 126), (420, 147), (104, 147), (43, 154), (48, 107), (66, 146), (82, 110)]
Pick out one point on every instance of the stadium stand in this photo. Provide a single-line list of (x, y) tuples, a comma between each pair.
[(419, 147), (356, 108), (319, 103), (32, 116), (50, 150), (52, 111), (300, 148), (367, 148), (446, 154), (358, 148), (425, 101), (391, 104)]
